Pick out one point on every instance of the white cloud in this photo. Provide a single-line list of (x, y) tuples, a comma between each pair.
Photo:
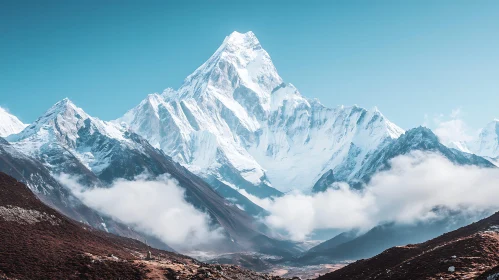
[(154, 207), (409, 192)]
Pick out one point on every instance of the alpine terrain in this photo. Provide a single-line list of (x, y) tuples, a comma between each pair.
[(487, 143), (67, 140), (235, 120), (9, 124), (234, 137)]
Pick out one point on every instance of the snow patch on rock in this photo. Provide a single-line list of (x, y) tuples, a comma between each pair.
[(26, 216)]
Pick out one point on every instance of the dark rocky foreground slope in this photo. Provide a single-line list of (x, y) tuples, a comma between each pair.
[(39, 243), (471, 252)]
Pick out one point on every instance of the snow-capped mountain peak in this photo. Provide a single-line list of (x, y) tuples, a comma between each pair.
[(238, 40), (67, 133), (9, 124), (239, 63), (63, 121), (487, 144), (235, 120)]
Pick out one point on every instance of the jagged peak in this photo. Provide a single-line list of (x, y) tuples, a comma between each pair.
[(242, 40), (239, 61), (154, 100), (63, 107), (421, 132), (236, 44), (65, 119), (153, 97), (9, 124), (65, 113), (168, 92)]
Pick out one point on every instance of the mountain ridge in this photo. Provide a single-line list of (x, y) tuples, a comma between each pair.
[(252, 126), (9, 124), (68, 140)]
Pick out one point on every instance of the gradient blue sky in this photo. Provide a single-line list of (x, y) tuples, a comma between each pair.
[(409, 58)]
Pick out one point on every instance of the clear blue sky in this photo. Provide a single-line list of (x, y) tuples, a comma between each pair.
[(409, 58)]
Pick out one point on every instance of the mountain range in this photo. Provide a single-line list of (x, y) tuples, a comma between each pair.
[(69, 141), (235, 120), (234, 130), (9, 124)]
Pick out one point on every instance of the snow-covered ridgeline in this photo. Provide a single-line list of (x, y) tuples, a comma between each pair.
[(9, 124), (235, 119), (65, 125)]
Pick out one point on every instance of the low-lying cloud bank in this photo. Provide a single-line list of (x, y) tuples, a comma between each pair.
[(409, 192), (155, 207)]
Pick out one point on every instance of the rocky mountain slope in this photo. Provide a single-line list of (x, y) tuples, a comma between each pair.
[(67, 140), (235, 120), (9, 124), (470, 252), (40, 180), (38, 242), (416, 139)]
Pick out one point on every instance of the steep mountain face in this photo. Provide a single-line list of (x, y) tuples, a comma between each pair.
[(469, 252), (67, 140), (236, 121), (72, 142), (9, 124), (487, 144), (416, 139), (40, 243)]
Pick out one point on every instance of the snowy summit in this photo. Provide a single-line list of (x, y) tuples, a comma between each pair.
[(234, 120)]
